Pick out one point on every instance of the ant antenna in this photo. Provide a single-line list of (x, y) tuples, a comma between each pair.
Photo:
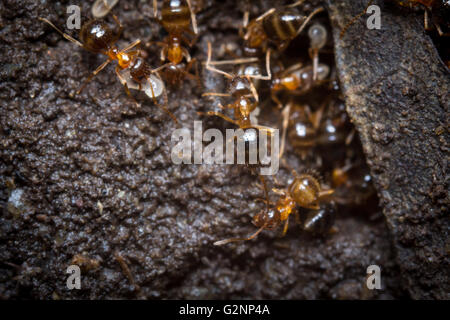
[(311, 15), (222, 242)]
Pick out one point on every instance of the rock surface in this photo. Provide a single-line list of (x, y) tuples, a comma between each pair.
[(397, 94)]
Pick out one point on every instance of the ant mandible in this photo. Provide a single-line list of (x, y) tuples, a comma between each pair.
[(97, 37), (305, 191)]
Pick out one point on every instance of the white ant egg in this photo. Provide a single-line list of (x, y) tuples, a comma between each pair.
[(102, 7), (318, 36)]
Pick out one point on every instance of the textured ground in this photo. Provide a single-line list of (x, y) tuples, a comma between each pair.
[(88, 179)]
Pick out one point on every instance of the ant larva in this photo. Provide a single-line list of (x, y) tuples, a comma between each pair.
[(97, 37), (305, 191), (242, 89), (176, 18), (279, 26)]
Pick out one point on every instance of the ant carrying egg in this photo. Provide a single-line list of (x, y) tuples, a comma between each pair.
[(131, 69)]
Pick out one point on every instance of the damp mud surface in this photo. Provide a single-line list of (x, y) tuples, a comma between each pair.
[(88, 179)]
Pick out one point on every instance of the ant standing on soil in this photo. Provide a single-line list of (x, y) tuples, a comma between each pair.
[(306, 192), (176, 18), (132, 70)]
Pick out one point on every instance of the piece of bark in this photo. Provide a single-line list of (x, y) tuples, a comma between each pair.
[(397, 95)]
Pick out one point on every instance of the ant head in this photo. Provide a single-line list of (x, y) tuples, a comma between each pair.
[(305, 190), (246, 106), (97, 36)]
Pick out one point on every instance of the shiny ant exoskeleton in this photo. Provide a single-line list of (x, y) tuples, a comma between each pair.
[(278, 26), (297, 80), (177, 17), (132, 70), (241, 88), (101, 8), (305, 191)]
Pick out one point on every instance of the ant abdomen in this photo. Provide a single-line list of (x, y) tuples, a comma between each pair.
[(282, 25), (176, 15), (322, 220), (305, 190), (97, 36)]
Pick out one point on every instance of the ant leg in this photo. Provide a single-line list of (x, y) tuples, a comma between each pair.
[(253, 89), (325, 193), (269, 74), (314, 53), (210, 68), (297, 217), (278, 191), (191, 76), (156, 70), (218, 114), (222, 242), (269, 130), (274, 97), (426, 20), (186, 54), (119, 24), (93, 74), (286, 112), (264, 187), (216, 94), (311, 15), (266, 191), (193, 18), (155, 9), (265, 14), (125, 85), (359, 15), (296, 4), (65, 35), (166, 100), (285, 227), (158, 43), (131, 46), (233, 61), (315, 117), (350, 137)]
